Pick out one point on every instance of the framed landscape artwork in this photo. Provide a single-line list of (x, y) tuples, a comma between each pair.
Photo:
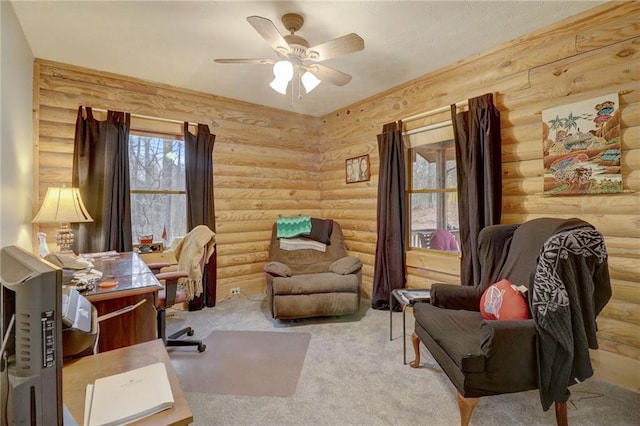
[(581, 147), (357, 169)]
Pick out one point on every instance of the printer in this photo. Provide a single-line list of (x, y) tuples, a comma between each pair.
[(80, 324)]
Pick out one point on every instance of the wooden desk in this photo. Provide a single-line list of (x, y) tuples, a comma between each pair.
[(135, 283), (78, 374)]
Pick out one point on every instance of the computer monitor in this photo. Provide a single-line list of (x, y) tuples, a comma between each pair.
[(31, 367)]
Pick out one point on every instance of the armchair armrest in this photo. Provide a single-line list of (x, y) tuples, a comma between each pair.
[(157, 266), (277, 269), (171, 275), (453, 296), (345, 266), (509, 346)]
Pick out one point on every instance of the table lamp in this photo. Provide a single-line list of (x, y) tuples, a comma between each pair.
[(64, 206)]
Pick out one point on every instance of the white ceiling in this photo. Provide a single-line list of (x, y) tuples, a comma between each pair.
[(175, 42)]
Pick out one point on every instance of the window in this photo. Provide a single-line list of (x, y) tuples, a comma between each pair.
[(432, 193), (158, 191)]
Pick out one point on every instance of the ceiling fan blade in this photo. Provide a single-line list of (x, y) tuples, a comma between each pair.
[(331, 75), (337, 47), (244, 61), (270, 33)]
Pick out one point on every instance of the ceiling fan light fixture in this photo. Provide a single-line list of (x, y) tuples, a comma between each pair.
[(283, 70), (279, 85), (309, 81)]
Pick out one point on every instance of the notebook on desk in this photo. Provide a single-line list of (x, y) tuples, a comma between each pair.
[(126, 397)]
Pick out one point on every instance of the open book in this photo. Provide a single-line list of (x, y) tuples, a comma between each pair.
[(127, 397)]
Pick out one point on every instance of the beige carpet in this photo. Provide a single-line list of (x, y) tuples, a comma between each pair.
[(250, 363)]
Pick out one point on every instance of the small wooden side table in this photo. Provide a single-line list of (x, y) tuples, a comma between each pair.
[(406, 297)]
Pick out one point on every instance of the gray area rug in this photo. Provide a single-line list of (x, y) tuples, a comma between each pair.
[(354, 375), (252, 363)]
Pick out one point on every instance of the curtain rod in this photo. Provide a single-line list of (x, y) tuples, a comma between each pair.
[(433, 111), (148, 117), (434, 126)]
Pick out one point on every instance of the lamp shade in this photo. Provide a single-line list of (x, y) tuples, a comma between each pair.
[(62, 205), (279, 85), (283, 70), (309, 81)]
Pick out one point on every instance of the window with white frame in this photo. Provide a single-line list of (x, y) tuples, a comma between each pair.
[(432, 197), (158, 191)]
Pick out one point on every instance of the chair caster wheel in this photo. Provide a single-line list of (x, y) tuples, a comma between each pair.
[(190, 333), (202, 347)]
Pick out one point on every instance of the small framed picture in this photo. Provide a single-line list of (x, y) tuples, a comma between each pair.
[(357, 169)]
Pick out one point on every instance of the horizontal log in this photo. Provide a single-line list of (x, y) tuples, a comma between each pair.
[(231, 237), (55, 160), (624, 268), (56, 145), (423, 278), (619, 332), (623, 226), (261, 183), (625, 291), (358, 225), (622, 204), (239, 270), (355, 214), (363, 203), (611, 62), (611, 366), (232, 170), (434, 260), (242, 247), (361, 248), (623, 246), (605, 34), (259, 194), (622, 311), (255, 215), (521, 186), (522, 150), (523, 169), (285, 162), (530, 112), (266, 204)]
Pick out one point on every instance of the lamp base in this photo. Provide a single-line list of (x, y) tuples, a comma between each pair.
[(64, 239)]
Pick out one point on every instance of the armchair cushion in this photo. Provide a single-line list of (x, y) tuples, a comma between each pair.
[(346, 265), (321, 230), (277, 269), (501, 301)]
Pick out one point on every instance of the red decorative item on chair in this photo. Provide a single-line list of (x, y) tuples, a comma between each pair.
[(502, 301)]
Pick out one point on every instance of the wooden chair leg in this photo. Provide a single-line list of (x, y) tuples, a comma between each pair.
[(466, 406), (561, 414), (416, 349)]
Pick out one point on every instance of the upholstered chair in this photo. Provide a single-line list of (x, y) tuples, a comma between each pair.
[(490, 339), (310, 283)]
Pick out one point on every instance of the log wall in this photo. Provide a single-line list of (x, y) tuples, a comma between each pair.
[(266, 161), (269, 162), (591, 54)]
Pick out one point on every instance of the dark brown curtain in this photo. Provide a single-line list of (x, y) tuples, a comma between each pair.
[(101, 171), (389, 272), (200, 204), (479, 165)]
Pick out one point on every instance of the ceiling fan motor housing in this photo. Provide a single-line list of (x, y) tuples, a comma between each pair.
[(292, 22)]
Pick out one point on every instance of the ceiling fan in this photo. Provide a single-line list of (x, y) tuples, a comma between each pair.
[(295, 56)]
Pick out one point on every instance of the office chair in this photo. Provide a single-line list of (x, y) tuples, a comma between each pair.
[(192, 253), (168, 297)]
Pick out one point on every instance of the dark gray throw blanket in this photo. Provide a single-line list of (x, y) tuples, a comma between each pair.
[(570, 287)]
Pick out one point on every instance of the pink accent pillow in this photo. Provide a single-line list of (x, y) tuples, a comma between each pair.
[(502, 301)]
